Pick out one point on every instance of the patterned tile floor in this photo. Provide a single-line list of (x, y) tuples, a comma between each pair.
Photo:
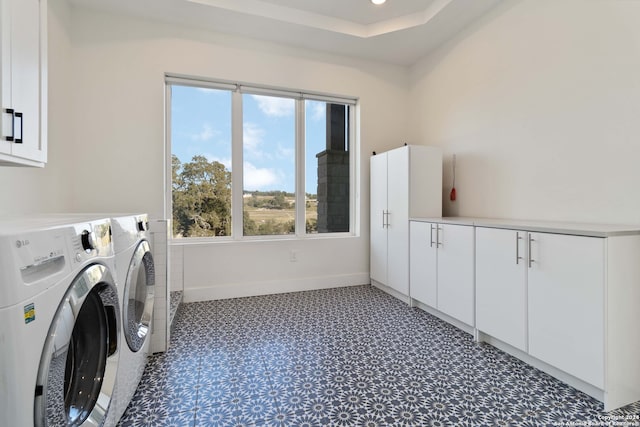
[(344, 357), (175, 299)]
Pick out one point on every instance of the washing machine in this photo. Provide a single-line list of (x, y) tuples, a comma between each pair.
[(136, 281), (59, 323)]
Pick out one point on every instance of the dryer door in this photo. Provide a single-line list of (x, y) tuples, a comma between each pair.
[(138, 297), (80, 358)]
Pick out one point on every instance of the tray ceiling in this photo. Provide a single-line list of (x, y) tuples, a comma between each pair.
[(398, 32)]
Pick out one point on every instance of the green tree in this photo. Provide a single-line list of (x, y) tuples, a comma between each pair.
[(311, 225), (250, 228), (201, 198)]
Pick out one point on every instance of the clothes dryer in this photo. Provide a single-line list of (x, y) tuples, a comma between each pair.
[(135, 276), (59, 323)]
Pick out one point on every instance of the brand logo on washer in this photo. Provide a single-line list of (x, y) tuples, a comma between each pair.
[(21, 243)]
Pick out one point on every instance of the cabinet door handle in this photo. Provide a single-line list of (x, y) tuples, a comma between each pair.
[(388, 215), (431, 237), (13, 124), (384, 224), (438, 229), (531, 260), (518, 257), (18, 139)]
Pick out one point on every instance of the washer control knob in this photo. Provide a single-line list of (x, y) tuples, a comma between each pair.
[(88, 240), (143, 226)]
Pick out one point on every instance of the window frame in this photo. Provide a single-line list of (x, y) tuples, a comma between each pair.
[(237, 90)]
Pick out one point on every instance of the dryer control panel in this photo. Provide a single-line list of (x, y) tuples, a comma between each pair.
[(31, 262)]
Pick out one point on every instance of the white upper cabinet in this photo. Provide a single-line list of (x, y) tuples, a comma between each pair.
[(405, 182), (23, 82)]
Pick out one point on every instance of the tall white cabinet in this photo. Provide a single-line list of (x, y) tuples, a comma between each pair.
[(405, 182), (23, 82)]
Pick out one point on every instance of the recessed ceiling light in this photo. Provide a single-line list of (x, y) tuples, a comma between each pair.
[(378, 1)]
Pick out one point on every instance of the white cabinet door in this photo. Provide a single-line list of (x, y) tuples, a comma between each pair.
[(422, 264), (398, 188), (501, 293), (456, 272), (398, 220), (442, 268), (25, 75), (378, 226), (23, 44), (566, 304), (5, 75)]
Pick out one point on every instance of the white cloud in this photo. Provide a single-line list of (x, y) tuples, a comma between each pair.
[(285, 152), (275, 107), (317, 109), (252, 136), (225, 161), (259, 178), (206, 134)]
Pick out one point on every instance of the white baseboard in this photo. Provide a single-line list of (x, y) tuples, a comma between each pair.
[(399, 295), (455, 322), (574, 382), (240, 290)]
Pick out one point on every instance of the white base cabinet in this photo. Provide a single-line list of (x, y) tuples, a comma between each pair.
[(566, 300), (501, 287), (441, 268)]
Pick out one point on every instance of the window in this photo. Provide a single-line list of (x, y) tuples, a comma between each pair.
[(200, 161), (249, 161), (327, 165), (269, 168)]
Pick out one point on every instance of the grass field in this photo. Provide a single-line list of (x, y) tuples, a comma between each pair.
[(262, 215)]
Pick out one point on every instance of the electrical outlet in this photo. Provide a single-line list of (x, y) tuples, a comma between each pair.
[(293, 255)]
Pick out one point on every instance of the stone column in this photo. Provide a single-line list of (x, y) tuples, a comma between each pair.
[(333, 174)]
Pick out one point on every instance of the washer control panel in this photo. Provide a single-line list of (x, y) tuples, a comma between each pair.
[(92, 239)]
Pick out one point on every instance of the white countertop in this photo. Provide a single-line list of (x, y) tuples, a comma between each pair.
[(572, 228)]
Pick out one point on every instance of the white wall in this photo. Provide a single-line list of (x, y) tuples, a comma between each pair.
[(37, 190), (118, 77), (541, 102)]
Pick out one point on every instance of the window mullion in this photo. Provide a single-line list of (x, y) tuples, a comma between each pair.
[(168, 176), (354, 173), (237, 223), (301, 203)]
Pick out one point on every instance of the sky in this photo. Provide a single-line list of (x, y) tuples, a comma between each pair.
[(201, 125)]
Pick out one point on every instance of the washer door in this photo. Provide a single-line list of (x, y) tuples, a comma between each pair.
[(80, 358), (138, 297)]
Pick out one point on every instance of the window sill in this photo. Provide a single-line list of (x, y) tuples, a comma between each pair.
[(258, 239)]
